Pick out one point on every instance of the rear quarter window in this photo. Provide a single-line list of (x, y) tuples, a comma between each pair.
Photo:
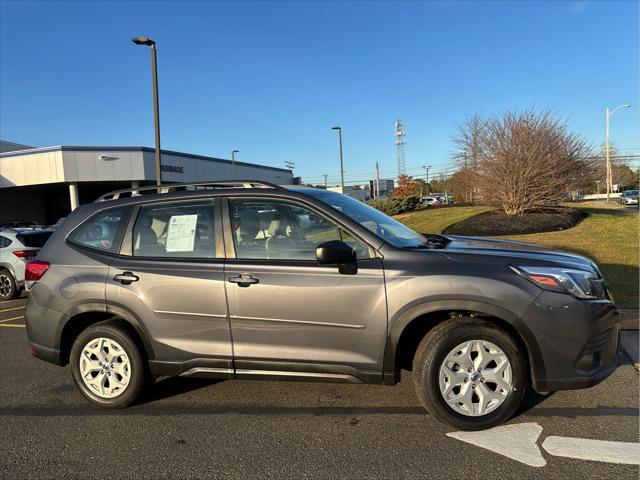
[(34, 239), (103, 231)]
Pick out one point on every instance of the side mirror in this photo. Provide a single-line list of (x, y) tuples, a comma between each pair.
[(335, 252)]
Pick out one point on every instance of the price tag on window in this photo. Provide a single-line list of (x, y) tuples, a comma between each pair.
[(181, 233)]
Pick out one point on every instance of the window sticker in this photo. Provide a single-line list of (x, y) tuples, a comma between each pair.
[(182, 233)]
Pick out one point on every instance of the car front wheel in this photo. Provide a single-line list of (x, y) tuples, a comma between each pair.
[(470, 374)]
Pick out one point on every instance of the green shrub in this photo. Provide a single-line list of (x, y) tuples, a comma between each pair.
[(396, 205)]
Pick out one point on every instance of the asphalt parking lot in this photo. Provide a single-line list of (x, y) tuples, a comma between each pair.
[(240, 429)]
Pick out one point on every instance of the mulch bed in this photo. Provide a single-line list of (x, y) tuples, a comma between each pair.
[(551, 219)]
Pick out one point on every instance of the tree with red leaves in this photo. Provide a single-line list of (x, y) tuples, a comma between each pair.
[(406, 186)]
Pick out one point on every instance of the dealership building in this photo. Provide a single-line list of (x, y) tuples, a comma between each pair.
[(44, 184)]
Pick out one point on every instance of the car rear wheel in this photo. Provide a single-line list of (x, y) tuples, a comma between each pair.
[(107, 366), (8, 287), (470, 374)]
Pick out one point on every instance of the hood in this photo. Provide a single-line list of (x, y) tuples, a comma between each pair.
[(489, 250)]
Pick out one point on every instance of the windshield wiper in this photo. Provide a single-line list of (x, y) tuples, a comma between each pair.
[(433, 241), (438, 241)]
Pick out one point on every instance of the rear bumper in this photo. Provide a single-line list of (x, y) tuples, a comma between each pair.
[(577, 340), (51, 355)]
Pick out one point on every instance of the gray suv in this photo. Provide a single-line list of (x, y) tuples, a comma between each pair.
[(251, 280)]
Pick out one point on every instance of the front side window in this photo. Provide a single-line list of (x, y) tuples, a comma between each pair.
[(175, 230), (278, 230), (103, 231)]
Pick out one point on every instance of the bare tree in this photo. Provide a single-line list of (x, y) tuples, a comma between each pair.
[(469, 150), (525, 160)]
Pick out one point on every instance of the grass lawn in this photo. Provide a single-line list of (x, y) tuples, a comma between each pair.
[(609, 236)]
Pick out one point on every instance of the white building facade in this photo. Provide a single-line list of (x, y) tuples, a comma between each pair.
[(43, 184)]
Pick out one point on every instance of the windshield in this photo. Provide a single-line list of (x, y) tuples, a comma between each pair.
[(373, 220)]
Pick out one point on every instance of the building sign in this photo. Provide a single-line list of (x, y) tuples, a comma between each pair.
[(172, 168)]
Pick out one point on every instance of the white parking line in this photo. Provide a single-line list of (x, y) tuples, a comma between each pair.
[(595, 450), (520, 442)]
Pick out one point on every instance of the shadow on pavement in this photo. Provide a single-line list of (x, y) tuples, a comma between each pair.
[(170, 387), (206, 410)]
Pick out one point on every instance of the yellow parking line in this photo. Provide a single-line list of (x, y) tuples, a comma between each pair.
[(12, 318), (19, 325), (10, 309)]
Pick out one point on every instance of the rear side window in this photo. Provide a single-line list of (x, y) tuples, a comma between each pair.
[(103, 231), (175, 230), (4, 242), (34, 240)]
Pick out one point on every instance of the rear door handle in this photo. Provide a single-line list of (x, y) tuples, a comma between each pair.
[(244, 280), (126, 278)]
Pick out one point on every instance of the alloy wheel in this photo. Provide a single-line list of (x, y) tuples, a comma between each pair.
[(475, 378), (5, 285), (105, 368)]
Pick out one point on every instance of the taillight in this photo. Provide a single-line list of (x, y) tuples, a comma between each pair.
[(35, 269), (25, 254)]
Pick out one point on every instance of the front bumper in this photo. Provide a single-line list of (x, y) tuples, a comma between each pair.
[(577, 341)]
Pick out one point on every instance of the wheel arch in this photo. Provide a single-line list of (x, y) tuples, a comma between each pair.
[(408, 329), (87, 315)]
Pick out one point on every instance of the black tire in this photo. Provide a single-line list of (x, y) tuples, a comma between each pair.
[(138, 377), (433, 350), (8, 288)]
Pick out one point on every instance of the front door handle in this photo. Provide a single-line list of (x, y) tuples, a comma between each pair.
[(244, 280), (126, 278)]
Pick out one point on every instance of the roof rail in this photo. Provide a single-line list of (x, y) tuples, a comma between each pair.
[(173, 187)]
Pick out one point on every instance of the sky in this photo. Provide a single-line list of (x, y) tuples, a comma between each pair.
[(270, 79)]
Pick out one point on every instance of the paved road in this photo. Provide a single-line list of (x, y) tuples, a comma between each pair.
[(240, 429)]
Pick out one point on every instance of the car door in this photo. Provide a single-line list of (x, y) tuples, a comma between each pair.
[(170, 276), (291, 317)]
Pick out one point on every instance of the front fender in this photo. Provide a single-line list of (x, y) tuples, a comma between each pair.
[(422, 307)]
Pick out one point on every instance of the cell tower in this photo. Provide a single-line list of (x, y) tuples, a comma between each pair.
[(400, 141)]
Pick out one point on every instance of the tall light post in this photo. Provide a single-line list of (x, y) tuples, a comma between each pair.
[(156, 109), (609, 179), (339, 129), (426, 170), (233, 163)]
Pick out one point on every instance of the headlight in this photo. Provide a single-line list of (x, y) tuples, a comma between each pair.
[(576, 282)]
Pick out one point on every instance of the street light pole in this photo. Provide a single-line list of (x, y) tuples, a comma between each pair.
[(339, 129), (156, 108), (233, 163), (609, 179)]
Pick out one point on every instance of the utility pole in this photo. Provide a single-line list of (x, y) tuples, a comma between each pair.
[(290, 165), (400, 142), (325, 179), (609, 179), (426, 169), (233, 163), (339, 129)]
